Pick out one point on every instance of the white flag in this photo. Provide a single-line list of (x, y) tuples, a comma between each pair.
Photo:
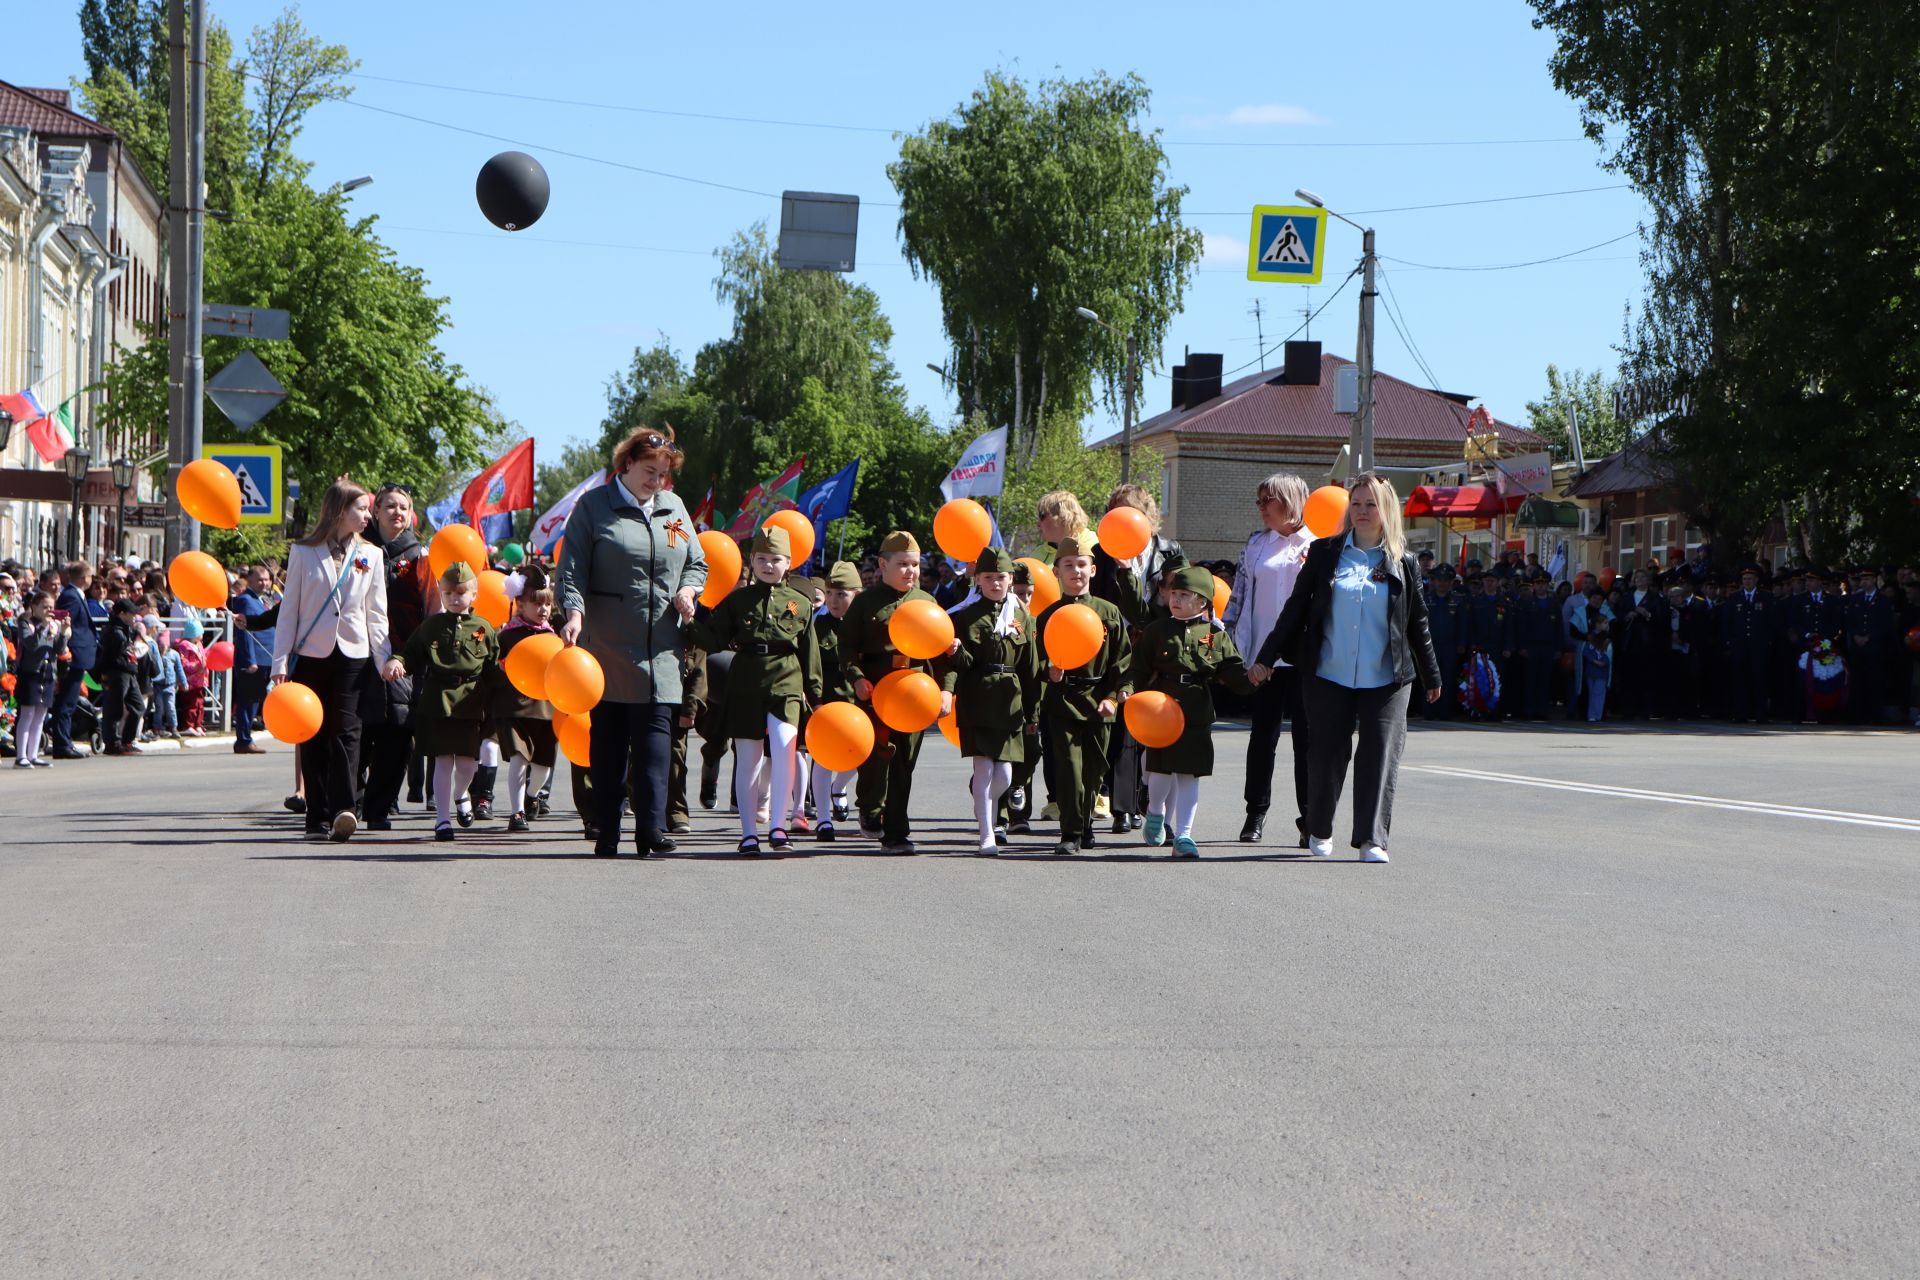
[(553, 522), (981, 470)]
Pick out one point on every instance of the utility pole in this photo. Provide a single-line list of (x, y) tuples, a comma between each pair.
[(186, 254), (1363, 420)]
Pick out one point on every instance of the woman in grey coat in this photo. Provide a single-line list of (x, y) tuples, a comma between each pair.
[(630, 570)]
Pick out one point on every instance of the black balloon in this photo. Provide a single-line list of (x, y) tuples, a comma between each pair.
[(512, 190)]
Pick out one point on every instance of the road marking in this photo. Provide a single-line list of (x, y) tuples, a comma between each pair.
[(1676, 797)]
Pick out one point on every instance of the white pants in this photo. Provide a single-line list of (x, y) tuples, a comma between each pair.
[(991, 778), (452, 775), (781, 744), (1174, 797)]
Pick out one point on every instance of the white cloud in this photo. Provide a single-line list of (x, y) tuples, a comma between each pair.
[(1220, 250), (1271, 113)]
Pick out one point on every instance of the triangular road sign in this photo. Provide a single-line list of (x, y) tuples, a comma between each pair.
[(246, 390), (1287, 247)]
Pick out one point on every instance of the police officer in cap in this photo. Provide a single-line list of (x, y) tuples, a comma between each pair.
[(1749, 629)]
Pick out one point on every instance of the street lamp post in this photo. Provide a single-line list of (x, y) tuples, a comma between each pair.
[(1126, 406), (1362, 442), (123, 481), (75, 464)]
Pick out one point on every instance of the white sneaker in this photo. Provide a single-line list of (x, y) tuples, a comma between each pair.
[(1373, 853), (1317, 848)]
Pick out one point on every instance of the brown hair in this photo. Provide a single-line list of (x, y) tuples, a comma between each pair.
[(340, 497), (531, 594), (1132, 495), (645, 445)]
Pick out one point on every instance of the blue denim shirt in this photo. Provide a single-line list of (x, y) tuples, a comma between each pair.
[(1354, 651)]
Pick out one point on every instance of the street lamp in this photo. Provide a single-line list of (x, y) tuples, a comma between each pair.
[(353, 184), (123, 481), (1126, 409), (1362, 442), (75, 464)]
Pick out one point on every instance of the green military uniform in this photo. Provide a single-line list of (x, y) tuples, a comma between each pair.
[(1077, 734), (995, 678), (886, 779), (693, 703), (769, 626), (455, 652), (1023, 769), (1181, 659)]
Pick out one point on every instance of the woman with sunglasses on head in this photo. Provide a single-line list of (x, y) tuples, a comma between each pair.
[(630, 571), (1356, 626), (410, 593)]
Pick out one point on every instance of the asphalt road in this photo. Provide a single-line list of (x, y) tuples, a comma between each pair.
[(1666, 1028)]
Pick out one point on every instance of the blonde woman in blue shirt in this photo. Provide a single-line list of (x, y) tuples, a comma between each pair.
[(1356, 625)]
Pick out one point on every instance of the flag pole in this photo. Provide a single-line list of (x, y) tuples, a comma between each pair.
[(840, 547)]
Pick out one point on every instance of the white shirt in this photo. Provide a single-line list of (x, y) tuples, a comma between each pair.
[(353, 621), (1269, 566)]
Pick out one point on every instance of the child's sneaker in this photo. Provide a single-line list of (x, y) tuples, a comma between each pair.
[(518, 822), (1155, 832), (1184, 847)]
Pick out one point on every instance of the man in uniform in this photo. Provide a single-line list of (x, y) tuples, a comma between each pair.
[(1536, 637), (1871, 622), (1080, 705), (867, 653), (1490, 632), (1750, 632), (1450, 618)]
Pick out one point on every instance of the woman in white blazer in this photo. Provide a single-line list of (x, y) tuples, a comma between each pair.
[(332, 637)]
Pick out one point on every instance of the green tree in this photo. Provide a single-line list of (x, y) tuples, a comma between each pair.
[(1061, 460), (118, 34), (1591, 395), (577, 461), (1026, 205), (1774, 143), (295, 73)]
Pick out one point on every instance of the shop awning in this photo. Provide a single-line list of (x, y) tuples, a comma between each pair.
[(1459, 502)]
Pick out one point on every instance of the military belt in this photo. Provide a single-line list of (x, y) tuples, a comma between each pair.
[(997, 668), (777, 649)]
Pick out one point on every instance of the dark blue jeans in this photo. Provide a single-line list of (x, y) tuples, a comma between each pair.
[(66, 695), (643, 733)]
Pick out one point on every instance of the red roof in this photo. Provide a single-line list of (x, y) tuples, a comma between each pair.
[(1262, 404), (1471, 501), (45, 111)]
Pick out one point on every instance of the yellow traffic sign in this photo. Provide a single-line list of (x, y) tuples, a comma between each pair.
[(258, 469), (1287, 244)]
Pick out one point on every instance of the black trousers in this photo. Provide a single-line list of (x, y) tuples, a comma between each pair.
[(388, 751), (330, 759), (1276, 702), (66, 696), (1335, 712), (120, 708), (642, 731)]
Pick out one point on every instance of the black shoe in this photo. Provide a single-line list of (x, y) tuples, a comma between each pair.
[(379, 824), (1122, 824), (414, 797), (1065, 849), (749, 846), (601, 849), (443, 833), (539, 809), (779, 839), (679, 826), (709, 786), (1020, 827), (1086, 839), (483, 811), (76, 755), (294, 804), (1000, 835), (591, 832), (841, 809), (518, 822), (872, 830), (654, 842), (1256, 826), (824, 833), (463, 816)]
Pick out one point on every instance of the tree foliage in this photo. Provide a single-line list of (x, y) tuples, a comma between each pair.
[(1591, 395), (1028, 204), (1060, 460), (1775, 142)]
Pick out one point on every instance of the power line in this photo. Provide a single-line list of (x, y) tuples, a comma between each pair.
[(1261, 359), (1465, 142), (1509, 266), (1443, 204)]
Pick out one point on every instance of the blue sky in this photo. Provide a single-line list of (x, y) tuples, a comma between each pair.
[(543, 317)]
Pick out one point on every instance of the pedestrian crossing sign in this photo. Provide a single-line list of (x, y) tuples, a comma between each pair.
[(1287, 244), (258, 469)]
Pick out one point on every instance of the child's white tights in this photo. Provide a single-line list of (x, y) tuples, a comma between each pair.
[(991, 778), (452, 775), (1174, 797), (523, 777), (826, 784), (782, 741)]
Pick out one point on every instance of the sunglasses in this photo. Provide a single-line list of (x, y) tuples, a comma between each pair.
[(654, 440)]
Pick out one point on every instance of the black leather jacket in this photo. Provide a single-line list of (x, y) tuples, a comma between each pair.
[(1296, 637)]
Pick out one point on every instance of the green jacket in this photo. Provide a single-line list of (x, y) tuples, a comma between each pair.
[(834, 686), (1181, 659), (621, 568), (456, 653), (866, 650), (1079, 695), (990, 699), (764, 615)]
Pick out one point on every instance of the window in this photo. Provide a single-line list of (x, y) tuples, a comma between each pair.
[(1627, 553), (1695, 540), (1660, 538)]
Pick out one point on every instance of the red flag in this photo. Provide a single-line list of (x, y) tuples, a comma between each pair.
[(506, 485), (767, 497), (703, 514)]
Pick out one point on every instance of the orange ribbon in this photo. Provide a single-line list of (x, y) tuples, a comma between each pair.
[(677, 529)]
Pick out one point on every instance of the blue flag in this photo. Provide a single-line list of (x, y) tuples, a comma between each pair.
[(446, 511), (494, 529), (830, 500)]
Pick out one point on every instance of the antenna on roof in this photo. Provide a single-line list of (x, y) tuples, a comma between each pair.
[(1260, 334)]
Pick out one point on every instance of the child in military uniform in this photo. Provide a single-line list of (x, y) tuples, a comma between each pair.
[(453, 654), (1017, 805), (523, 725), (1079, 705), (769, 627), (1180, 655), (830, 788), (994, 677), (867, 653)]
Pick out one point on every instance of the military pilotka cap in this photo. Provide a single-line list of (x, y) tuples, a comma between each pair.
[(803, 584), (897, 541), (458, 574), (844, 576), (1022, 573), (772, 542), (993, 560), (1082, 543), (1195, 579)]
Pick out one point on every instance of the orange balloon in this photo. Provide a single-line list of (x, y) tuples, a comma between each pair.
[(1221, 594), (920, 629), (723, 566), (799, 532), (906, 701), (209, 493), (574, 733), (492, 603), (1074, 636), (560, 718), (1154, 719), (292, 712), (575, 681), (527, 663), (198, 579), (1046, 585), (1125, 532), (839, 736), (456, 542), (1326, 510), (963, 529), (950, 727)]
